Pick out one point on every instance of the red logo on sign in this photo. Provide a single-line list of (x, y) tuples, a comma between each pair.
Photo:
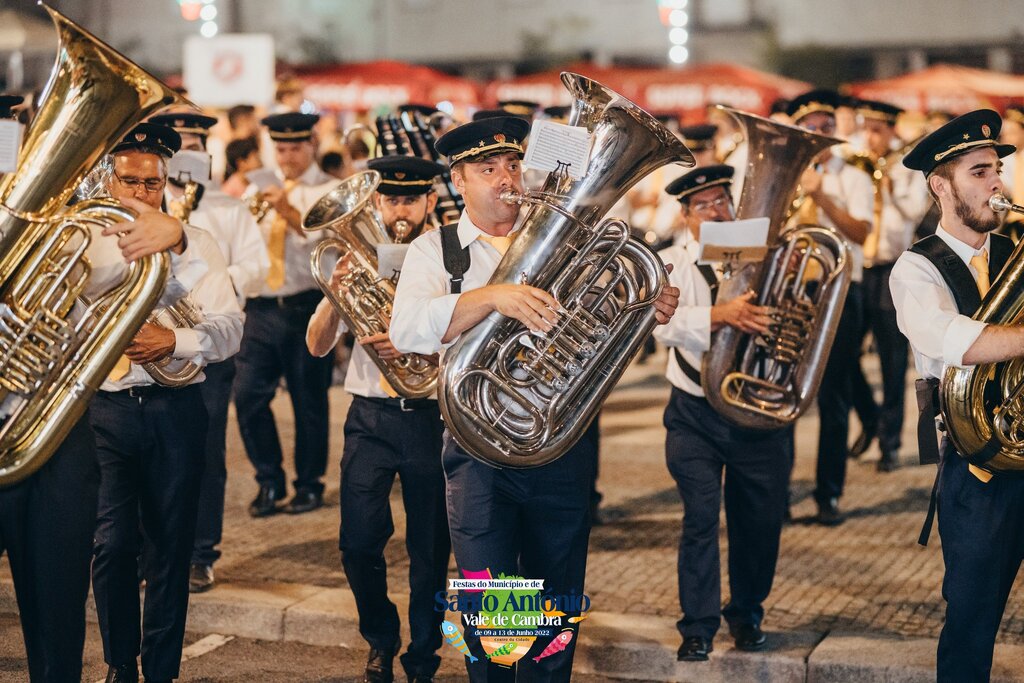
[(228, 66)]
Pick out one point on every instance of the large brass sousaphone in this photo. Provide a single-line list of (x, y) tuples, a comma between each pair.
[(51, 363), (767, 381), (515, 399)]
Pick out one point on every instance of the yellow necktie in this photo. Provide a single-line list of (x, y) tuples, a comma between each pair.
[(980, 264), (121, 369), (807, 214), (1018, 179), (871, 243), (275, 245), (499, 242), (386, 387)]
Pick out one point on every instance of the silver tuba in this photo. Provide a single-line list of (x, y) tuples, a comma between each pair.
[(515, 399), (767, 381), (366, 297)]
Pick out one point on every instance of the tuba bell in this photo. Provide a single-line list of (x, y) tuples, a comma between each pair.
[(767, 381), (50, 365), (515, 399), (983, 405), (365, 299)]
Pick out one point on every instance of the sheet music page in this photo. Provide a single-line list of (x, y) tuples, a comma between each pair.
[(390, 258), (558, 147), (733, 241), (10, 143)]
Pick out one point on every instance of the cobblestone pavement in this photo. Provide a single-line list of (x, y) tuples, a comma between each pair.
[(867, 575)]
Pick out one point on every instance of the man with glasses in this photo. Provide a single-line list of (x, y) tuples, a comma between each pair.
[(838, 196), (700, 443), (150, 442)]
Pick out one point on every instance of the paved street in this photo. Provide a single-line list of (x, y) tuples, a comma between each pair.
[(865, 577)]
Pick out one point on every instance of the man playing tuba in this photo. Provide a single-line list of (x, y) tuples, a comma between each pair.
[(936, 287), (530, 522), (701, 443), (384, 436)]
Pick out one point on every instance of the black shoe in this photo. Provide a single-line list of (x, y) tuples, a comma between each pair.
[(829, 514), (863, 441), (304, 501), (890, 462), (200, 578), (694, 649), (749, 637), (125, 673), (265, 503), (378, 666)]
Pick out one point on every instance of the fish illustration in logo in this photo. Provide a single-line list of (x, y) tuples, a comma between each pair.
[(454, 637), (576, 620), (557, 645), (506, 649)]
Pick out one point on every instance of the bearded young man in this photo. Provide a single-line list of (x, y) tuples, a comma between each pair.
[(936, 287)]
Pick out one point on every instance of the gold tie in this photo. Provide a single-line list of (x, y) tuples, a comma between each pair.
[(499, 242), (386, 387), (1018, 179), (980, 264), (275, 245), (121, 369), (807, 214), (871, 243)]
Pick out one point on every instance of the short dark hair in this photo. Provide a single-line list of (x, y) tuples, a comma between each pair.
[(239, 111), (943, 171), (235, 152), (331, 161)]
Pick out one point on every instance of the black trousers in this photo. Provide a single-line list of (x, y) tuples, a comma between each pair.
[(533, 523), (274, 346), (835, 398), (216, 390), (46, 527), (700, 444), (381, 441), (982, 531), (892, 346), (150, 450)]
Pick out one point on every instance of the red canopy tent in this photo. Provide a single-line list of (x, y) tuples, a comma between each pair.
[(957, 89), (366, 86), (685, 92)]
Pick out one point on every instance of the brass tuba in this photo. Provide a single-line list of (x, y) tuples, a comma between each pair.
[(767, 381), (50, 365), (983, 405), (515, 399), (366, 297)]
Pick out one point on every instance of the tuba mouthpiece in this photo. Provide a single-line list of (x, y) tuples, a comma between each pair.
[(512, 197), (999, 203)]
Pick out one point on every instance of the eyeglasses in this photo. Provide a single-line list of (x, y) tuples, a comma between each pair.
[(825, 128), (705, 206), (150, 184)]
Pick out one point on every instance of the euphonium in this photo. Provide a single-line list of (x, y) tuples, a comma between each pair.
[(51, 365), (767, 381), (366, 296), (516, 399), (983, 405)]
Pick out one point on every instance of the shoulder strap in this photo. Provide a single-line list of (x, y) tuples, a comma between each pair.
[(954, 271), (708, 273), (456, 259), (1002, 247)]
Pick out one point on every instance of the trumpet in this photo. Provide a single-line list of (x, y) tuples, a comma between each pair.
[(259, 207)]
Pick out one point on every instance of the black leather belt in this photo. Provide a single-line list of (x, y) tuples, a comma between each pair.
[(147, 390), (311, 297), (406, 405)]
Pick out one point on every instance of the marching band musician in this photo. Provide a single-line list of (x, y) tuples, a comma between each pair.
[(47, 521), (900, 202), (385, 436), (531, 522), (936, 287), (701, 443), (237, 235), (150, 467), (837, 196), (275, 328), (1013, 166)]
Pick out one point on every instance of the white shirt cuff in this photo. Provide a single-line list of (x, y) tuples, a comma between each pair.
[(960, 335), (186, 344)]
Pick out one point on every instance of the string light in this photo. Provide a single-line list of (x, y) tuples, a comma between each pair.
[(673, 15), (204, 11)]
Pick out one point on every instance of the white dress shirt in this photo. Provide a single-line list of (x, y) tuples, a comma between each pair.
[(689, 330), (902, 210), (298, 276), (423, 305), (363, 376), (926, 311), (219, 334), (851, 189), (234, 227)]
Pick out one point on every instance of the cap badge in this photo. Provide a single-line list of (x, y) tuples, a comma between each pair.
[(179, 123), (139, 137), (499, 138), (967, 136), (701, 180), (399, 175), (985, 130)]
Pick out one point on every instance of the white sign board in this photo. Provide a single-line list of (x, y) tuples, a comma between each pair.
[(230, 69)]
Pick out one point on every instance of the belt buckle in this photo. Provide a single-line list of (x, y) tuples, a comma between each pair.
[(401, 405)]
